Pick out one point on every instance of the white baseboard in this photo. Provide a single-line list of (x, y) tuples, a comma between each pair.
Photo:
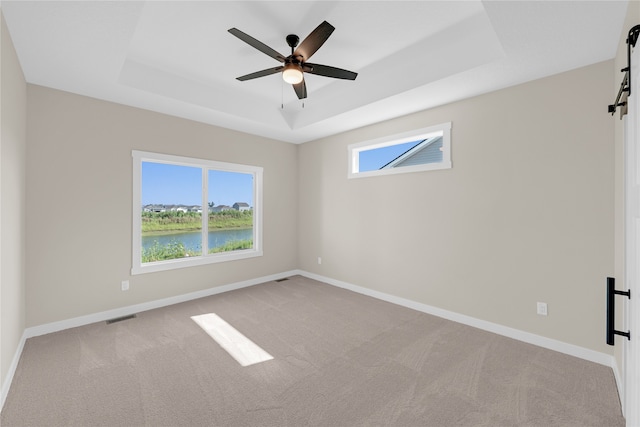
[(6, 385), (619, 384), (540, 341)]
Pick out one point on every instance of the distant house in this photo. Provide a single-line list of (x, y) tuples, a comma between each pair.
[(155, 208), (221, 208), (241, 206), (428, 151), (172, 208)]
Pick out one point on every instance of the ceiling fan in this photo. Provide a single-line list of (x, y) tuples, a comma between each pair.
[(295, 65)]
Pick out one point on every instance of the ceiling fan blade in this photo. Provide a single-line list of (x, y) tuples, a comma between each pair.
[(262, 73), (312, 43), (301, 89), (257, 44), (327, 71)]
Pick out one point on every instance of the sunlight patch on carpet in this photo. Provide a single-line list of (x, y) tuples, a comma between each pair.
[(241, 348)]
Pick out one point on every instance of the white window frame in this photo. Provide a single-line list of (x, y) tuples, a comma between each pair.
[(354, 151), (138, 267)]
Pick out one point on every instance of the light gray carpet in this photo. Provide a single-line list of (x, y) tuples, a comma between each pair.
[(340, 359)]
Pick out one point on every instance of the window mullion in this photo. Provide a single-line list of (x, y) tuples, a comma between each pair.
[(205, 212)]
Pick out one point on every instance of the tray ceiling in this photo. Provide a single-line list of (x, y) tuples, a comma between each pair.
[(177, 58)]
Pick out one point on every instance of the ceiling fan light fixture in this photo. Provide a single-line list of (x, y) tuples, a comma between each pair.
[(292, 74)]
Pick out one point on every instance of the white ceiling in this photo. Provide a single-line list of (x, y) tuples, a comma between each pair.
[(177, 57)]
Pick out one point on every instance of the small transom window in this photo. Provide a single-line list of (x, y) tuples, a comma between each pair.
[(414, 151)]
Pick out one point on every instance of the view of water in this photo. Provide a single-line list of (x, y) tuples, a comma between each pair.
[(192, 240)]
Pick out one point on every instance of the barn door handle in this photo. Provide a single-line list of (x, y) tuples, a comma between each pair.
[(611, 310)]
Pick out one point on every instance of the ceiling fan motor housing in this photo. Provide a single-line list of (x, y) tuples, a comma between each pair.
[(292, 41)]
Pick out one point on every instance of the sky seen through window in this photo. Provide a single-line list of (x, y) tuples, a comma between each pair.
[(168, 184)]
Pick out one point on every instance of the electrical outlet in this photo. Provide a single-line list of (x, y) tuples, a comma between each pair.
[(542, 308), (124, 285), (319, 260)]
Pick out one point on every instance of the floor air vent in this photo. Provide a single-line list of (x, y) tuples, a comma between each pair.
[(282, 280), (120, 319)]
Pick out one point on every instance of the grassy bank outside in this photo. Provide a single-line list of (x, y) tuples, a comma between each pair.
[(167, 222), (175, 250)]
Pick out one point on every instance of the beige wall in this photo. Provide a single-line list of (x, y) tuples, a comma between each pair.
[(79, 203), (526, 214), (13, 109)]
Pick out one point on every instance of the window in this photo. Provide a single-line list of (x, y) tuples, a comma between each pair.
[(190, 212), (414, 151)]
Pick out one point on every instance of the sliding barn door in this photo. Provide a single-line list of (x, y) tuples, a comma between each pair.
[(632, 256)]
